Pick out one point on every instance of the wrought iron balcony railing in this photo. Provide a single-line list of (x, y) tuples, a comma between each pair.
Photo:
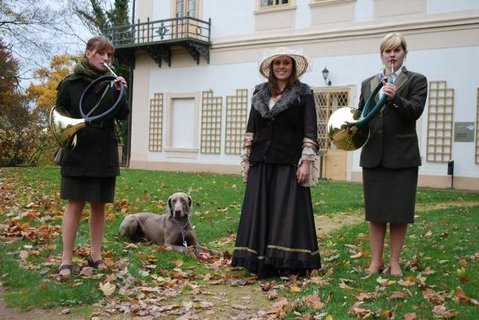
[(157, 38)]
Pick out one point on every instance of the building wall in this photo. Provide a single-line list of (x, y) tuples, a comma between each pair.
[(342, 35)]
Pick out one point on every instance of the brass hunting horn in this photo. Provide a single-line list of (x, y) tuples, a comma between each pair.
[(64, 128), (344, 131)]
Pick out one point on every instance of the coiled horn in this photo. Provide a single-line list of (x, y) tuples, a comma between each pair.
[(64, 128), (345, 132)]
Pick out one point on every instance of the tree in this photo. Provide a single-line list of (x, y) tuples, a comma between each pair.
[(36, 30), (20, 134), (98, 18), (44, 91)]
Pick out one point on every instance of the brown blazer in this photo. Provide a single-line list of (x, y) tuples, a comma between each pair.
[(392, 139)]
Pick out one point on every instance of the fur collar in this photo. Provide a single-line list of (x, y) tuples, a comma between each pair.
[(290, 97)]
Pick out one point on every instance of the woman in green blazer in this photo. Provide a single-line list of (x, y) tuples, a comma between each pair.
[(390, 158)]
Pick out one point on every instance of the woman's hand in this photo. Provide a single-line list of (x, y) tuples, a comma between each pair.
[(389, 90), (303, 172), (119, 80)]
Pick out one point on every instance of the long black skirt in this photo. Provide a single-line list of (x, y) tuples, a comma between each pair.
[(276, 230), (390, 194), (88, 189)]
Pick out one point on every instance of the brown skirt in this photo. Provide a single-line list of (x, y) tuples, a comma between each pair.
[(276, 231), (88, 189), (390, 194)]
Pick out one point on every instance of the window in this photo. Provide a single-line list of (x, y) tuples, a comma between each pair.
[(156, 123), (236, 117), (212, 108), (327, 102), (273, 3), (440, 122), (186, 8)]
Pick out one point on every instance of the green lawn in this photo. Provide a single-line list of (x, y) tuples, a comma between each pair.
[(441, 256)]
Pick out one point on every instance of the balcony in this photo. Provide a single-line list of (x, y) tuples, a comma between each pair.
[(158, 38)]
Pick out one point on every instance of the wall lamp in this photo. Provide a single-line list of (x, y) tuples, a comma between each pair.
[(326, 76)]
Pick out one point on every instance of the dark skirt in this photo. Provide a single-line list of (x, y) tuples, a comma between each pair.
[(276, 230), (390, 194), (88, 189)]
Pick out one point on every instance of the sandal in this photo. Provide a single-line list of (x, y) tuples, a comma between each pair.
[(65, 271), (99, 264)]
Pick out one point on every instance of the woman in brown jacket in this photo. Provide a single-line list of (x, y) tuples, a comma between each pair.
[(390, 158), (89, 170)]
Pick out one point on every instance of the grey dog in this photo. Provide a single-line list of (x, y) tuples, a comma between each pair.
[(171, 229)]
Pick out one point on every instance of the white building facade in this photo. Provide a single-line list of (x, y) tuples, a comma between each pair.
[(195, 65)]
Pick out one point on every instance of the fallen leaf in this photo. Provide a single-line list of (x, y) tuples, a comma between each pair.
[(314, 301), (107, 288), (410, 316), (460, 296), (295, 289), (397, 295), (358, 311), (435, 298), (443, 312)]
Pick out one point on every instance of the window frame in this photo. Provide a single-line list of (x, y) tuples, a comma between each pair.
[(274, 5)]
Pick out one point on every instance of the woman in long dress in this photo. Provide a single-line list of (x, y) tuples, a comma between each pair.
[(276, 234)]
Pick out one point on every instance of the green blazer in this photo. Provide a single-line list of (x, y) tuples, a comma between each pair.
[(393, 139)]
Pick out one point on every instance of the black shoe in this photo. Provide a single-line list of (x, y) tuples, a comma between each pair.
[(99, 264)]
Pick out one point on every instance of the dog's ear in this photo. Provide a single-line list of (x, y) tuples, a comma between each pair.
[(189, 201), (168, 209)]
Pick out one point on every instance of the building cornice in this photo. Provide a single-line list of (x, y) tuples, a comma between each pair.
[(351, 33)]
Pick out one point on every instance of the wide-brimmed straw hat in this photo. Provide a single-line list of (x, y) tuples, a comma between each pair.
[(301, 60)]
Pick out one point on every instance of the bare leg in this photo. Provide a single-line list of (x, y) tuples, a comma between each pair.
[(398, 235), (377, 232), (97, 227), (71, 221)]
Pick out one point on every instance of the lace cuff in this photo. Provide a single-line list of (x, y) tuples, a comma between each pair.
[(309, 153), (245, 153), (248, 140), (307, 142)]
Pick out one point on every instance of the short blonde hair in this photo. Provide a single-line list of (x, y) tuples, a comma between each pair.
[(392, 41)]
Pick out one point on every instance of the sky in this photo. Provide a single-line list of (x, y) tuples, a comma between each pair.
[(35, 46), (71, 37)]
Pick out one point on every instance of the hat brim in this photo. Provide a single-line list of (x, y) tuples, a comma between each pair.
[(301, 64)]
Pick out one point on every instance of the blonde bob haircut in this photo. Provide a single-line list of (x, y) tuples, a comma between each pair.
[(392, 41)]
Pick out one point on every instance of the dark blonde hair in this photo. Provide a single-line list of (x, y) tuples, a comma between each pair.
[(392, 41), (99, 43), (273, 82)]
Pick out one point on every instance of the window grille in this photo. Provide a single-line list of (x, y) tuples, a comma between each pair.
[(440, 122), (326, 103), (156, 122), (236, 118), (211, 123)]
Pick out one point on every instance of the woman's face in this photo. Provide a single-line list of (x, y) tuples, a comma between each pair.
[(282, 67), (97, 58), (393, 58)]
